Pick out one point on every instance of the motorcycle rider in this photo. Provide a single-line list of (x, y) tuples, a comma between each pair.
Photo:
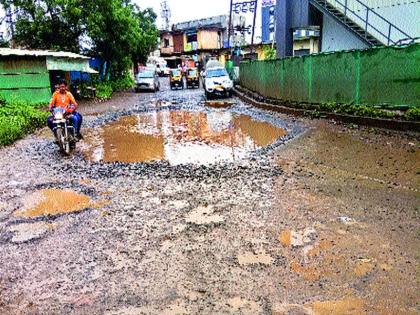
[(63, 98)]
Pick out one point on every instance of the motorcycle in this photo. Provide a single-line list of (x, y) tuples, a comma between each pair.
[(64, 132)]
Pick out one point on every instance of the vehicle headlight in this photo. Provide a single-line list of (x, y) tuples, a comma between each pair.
[(59, 116), (227, 83)]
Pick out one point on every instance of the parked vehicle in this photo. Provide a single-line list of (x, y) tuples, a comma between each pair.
[(213, 64), (64, 132), (147, 80), (217, 82), (176, 79), (163, 70), (160, 64), (193, 80), (76, 90)]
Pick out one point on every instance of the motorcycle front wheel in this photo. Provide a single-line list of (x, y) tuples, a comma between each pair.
[(64, 143)]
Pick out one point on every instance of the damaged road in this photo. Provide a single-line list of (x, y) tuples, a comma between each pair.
[(175, 206)]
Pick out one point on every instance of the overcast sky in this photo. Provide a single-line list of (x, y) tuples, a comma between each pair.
[(185, 10)]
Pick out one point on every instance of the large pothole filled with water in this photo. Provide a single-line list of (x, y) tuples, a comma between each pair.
[(180, 137)]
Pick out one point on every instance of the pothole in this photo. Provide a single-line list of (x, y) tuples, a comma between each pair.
[(180, 137), (52, 202)]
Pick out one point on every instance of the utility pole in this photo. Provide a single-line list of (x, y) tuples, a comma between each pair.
[(166, 14), (254, 21), (230, 22)]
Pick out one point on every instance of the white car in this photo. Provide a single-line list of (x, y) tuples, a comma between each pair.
[(217, 82), (147, 79)]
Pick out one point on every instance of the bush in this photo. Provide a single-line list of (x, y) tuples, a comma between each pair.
[(18, 119), (104, 90), (123, 83), (358, 110), (413, 114)]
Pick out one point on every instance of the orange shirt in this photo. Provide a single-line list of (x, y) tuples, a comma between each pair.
[(63, 100)]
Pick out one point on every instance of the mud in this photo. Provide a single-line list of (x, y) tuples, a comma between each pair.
[(323, 221), (52, 202), (180, 137)]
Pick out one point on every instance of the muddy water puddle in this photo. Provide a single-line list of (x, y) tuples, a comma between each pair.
[(180, 137), (51, 202)]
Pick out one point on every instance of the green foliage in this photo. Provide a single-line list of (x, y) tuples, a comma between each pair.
[(18, 119), (123, 83), (49, 24), (115, 30), (270, 53), (357, 110), (104, 90), (413, 114)]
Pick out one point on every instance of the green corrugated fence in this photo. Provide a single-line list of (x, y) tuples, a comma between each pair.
[(377, 76), (24, 79)]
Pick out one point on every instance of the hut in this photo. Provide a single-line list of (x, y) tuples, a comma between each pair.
[(29, 75)]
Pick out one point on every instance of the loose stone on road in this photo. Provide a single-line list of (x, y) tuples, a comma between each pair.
[(173, 205)]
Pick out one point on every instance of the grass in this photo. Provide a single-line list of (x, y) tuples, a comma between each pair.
[(412, 114), (18, 119)]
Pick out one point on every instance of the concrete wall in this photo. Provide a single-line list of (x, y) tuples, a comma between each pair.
[(166, 50), (178, 42), (405, 16), (308, 43), (336, 37), (208, 39)]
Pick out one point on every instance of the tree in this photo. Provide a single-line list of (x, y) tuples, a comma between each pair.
[(149, 35), (49, 24), (115, 30), (121, 33)]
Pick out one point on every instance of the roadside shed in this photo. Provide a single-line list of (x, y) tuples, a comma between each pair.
[(29, 75)]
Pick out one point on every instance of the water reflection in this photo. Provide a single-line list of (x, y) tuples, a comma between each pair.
[(181, 137)]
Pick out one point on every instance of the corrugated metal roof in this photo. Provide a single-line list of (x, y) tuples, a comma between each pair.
[(40, 53)]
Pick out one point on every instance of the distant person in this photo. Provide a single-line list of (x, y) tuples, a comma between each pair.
[(63, 98)]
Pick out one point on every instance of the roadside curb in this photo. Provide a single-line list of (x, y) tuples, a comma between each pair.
[(259, 101)]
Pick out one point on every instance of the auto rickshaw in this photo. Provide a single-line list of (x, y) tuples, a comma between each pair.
[(193, 79), (175, 79)]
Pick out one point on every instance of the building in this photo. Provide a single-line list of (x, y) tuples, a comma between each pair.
[(344, 25), (196, 40), (30, 75)]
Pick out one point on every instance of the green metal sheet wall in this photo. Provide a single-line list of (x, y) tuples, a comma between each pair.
[(388, 75), (24, 79)]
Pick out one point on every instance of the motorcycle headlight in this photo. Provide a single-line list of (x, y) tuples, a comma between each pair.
[(59, 116)]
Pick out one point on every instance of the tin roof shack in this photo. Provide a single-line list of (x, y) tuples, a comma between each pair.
[(26, 75)]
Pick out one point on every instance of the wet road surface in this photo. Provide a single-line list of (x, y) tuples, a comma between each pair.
[(175, 206)]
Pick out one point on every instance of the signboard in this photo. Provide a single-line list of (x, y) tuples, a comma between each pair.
[(268, 3), (244, 12), (268, 14)]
